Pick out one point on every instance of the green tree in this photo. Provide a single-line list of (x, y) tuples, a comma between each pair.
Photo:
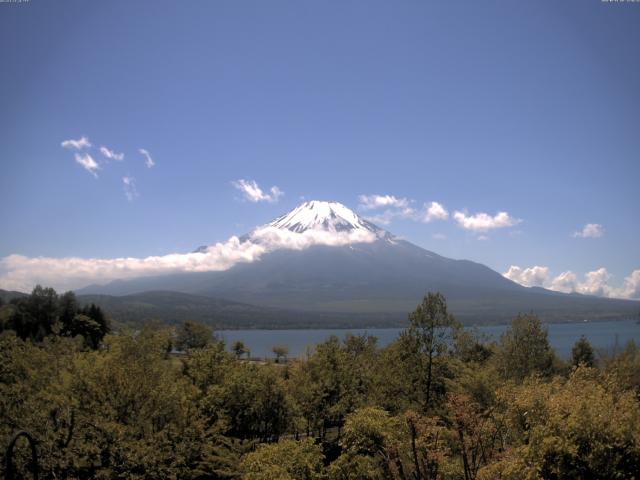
[(285, 460), (583, 427), (625, 367), (67, 310), (34, 396), (34, 317), (88, 328), (366, 443), (239, 348), (427, 343), (42, 304), (138, 416), (524, 349), (280, 351), (475, 433), (252, 401), (95, 312), (193, 335), (582, 353), (208, 366)]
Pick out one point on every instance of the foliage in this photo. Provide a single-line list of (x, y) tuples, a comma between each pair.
[(280, 351), (285, 460), (438, 403), (252, 402), (426, 344), (582, 353), (44, 313), (239, 348), (524, 349), (192, 335), (584, 427)]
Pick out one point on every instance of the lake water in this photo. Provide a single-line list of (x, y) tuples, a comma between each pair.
[(604, 335)]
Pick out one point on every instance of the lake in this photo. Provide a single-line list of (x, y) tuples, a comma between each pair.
[(603, 335)]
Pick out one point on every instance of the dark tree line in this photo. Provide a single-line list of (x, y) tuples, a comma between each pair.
[(45, 313)]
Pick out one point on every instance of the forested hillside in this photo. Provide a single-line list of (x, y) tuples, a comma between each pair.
[(438, 403)]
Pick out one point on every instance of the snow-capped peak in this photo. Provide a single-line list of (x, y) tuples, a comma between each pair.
[(314, 223), (325, 216)]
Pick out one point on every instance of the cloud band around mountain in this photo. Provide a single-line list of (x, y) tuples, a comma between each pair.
[(18, 272)]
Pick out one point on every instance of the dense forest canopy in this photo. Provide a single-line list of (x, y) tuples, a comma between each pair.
[(438, 403)]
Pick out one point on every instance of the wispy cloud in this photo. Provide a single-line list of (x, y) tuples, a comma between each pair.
[(111, 155), (590, 230), (130, 190), (400, 207), (252, 192), (82, 142), (390, 214), (148, 161), (372, 202), (87, 162), (596, 282), (483, 222)]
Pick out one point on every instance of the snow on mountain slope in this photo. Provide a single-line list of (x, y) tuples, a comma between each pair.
[(314, 223), (317, 223), (329, 216)]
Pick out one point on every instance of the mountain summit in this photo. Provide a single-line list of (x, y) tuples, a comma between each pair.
[(328, 216)]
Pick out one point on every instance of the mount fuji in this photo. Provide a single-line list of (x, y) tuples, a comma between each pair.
[(322, 260)]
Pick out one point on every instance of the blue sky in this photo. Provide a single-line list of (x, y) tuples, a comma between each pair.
[(530, 108)]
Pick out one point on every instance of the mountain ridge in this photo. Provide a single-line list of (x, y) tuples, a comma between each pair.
[(350, 266)]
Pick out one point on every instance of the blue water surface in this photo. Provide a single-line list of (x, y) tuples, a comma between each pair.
[(603, 335)]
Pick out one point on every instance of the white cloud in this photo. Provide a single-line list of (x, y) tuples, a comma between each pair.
[(596, 282), (111, 155), (631, 286), (529, 277), (88, 163), (130, 190), (400, 207), (82, 142), (18, 272), (373, 202), (148, 161), (274, 238), (590, 230), (483, 222), (22, 273), (435, 211), (566, 282), (254, 193)]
